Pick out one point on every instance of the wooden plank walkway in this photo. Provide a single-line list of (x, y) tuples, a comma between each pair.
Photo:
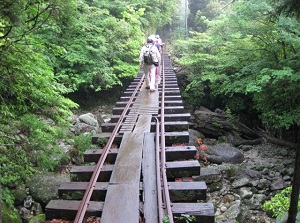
[(124, 187), (149, 180), (123, 191)]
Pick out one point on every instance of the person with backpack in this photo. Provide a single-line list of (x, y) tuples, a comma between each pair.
[(149, 59), (159, 44)]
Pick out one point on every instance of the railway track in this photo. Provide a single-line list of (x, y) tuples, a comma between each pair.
[(140, 175)]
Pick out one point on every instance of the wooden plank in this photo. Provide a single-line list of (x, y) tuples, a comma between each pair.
[(180, 153), (122, 103), (67, 209), (173, 110), (168, 109), (172, 92), (143, 124), (126, 98), (187, 191), (204, 212), (75, 190), (122, 197), (167, 92), (173, 126), (105, 136), (93, 155), (167, 97), (172, 97), (172, 103), (176, 137), (183, 169), (149, 179), (169, 126), (176, 117), (84, 173), (168, 117), (172, 153), (169, 84)]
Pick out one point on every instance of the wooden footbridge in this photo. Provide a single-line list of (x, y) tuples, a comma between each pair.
[(140, 175)]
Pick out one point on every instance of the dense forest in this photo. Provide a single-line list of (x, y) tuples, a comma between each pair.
[(238, 55), (243, 57), (51, 48)]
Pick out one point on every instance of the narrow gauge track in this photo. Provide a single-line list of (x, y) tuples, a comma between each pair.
[(139, 175)]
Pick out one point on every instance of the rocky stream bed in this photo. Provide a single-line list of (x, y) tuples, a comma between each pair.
[(239, 178)]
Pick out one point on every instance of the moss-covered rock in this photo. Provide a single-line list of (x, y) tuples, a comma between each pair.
[(10, 215), (44, 186), (19, 196)]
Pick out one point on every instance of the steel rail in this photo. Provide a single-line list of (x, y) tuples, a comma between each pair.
[(88, 193), (158, 176), (166, 195)]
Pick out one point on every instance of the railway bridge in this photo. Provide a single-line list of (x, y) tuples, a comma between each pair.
[(144, 172)]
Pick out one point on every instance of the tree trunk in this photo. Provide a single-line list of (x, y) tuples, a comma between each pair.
[(214, 124), (295, 190), (280, 142)]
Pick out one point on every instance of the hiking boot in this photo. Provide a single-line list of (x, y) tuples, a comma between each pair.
[(152, 89), (147, 87)]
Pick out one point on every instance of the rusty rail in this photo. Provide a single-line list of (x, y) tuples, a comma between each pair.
[(92, 183), (165, 191), (163, 199)]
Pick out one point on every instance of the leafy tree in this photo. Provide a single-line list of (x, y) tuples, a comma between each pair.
[(33, 110), (202, 10), (255, 67), (102, 45), (289, 8), (253, 62), (49, 48)]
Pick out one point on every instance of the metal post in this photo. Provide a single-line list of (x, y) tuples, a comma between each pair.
[(186, 18)]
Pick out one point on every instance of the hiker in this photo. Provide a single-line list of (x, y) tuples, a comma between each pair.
[(152, 62), (159, 44)]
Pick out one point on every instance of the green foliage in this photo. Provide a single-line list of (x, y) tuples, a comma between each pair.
[(10, 214), (247, 62), (51, 48), (102, 141), (33, 111), (82, 143), (279, 203), (7, 197), (165, 219), (202, 10), (38, 218), (185, 217)]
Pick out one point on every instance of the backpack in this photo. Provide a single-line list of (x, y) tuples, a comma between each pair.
[(148, 55)]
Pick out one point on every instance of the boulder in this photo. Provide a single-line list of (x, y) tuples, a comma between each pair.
[(44, 186), (278, 184), (89, 119), (223, 153), (19, 195), (209, 175), (241, 182), (234, 210), (193, 136), (80, 128), (245, 193), (216, 124), (255, 202)]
